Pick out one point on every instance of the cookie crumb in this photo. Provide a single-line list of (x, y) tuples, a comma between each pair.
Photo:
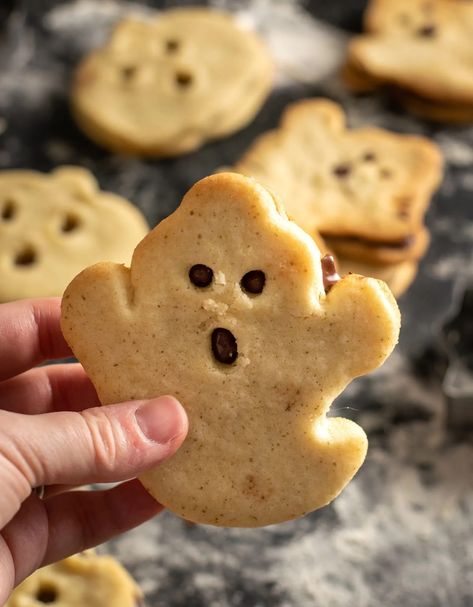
[(213, 306), (219, 278)]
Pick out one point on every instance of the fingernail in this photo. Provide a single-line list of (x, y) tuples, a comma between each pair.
[(161, 419)]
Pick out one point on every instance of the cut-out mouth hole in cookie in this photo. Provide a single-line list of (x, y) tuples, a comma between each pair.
[(342, 170), (70, 223), (224, 346), (427, 31), (172, 46), (369, 157), (8, 210), (46, 594), (129, 72), (184, 80), (26, 256)]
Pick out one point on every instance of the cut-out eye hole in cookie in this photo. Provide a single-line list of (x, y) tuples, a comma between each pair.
[(8, 210), (128, 72), (200, 275), (26, 256), (224, 346), (427, 31), (369, 157), (183, 79), (172, 46), (253, 282), (342, 170), (70, 223), (46, 594)]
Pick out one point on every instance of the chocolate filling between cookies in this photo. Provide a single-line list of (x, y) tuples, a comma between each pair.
[(405, 243)]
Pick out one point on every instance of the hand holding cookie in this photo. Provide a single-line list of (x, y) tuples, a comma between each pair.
[(53, 434)]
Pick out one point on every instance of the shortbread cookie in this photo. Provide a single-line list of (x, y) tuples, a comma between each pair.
[(398, 277), (83, 580), (52, 226), (163, 87), (239, 327), (364, 184), (421, 46)]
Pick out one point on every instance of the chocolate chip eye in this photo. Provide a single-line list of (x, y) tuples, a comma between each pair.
[(200, 275), (253, 282), (224, 346), (46, 594)]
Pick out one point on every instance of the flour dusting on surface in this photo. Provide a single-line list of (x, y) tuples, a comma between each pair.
[(305, 49)]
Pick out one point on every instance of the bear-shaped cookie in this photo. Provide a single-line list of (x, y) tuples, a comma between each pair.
[(52, 226), (224, 306), (82, 580), (424, 48), (364, 189), (165, 86)]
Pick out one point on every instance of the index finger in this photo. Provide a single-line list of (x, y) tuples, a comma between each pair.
[(30, 333)]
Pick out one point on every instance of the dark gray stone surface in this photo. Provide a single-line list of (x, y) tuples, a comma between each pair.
[(401, 534)]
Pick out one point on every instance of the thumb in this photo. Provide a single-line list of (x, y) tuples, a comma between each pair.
[(101, 444)]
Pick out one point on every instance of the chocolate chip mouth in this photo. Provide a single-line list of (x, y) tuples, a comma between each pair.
[(224, 346)]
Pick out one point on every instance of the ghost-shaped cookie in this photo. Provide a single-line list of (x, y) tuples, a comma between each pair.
[(421, 47), (224, 306), (82, 580), (165, 86), (54, 225), (365, 190)]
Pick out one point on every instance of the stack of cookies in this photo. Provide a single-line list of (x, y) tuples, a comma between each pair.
[(365, 191), (422, 52)]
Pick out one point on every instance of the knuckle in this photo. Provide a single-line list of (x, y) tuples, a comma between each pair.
[(18, 470), (107, 439)]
